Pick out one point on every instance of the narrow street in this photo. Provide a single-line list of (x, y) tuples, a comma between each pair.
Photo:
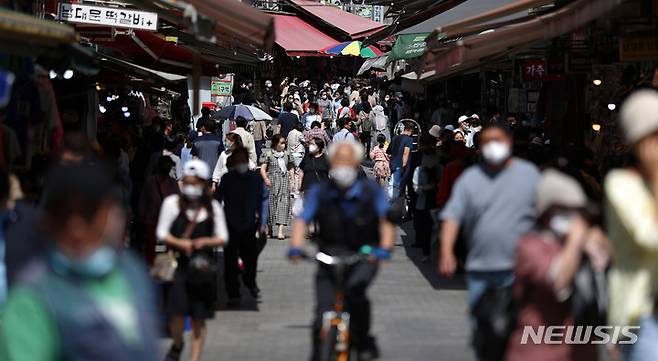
[(416, 316)]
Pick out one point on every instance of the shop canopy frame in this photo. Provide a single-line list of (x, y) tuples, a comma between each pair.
[(299, 38), (449, 57), (27, 35), (351, 26)]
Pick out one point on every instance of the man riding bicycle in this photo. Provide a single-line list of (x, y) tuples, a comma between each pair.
[(351, 213)]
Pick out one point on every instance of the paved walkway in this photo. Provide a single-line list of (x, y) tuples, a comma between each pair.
[(417, 316)]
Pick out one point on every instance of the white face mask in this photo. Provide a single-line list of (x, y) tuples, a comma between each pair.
[(192, 192), (313, 149), (560, 223), (495, 153), (343, 176)]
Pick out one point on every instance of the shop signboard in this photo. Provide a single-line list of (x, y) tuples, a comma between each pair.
[(409, 46), (105, 16), (537, 70), (221, 87), (638, 48)]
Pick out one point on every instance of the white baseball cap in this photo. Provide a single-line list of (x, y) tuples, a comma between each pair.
[(462, 119), (435, 131), (558, 189), (196, 168), (639, 115)]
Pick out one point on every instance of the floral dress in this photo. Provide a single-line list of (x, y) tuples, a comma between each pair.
[(382, 168)]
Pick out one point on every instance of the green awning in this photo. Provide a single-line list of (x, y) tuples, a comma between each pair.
[(408, 46)]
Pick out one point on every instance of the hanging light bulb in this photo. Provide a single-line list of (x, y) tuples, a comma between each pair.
[(612, 106), (597, 82), (126, 114), (109, 98), (596, 127), (68, 74), (124, 109), (52, 74), (102, 109)]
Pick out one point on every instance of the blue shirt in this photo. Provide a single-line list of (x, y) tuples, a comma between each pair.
[(349, 200), (208, 147), (397, 149)]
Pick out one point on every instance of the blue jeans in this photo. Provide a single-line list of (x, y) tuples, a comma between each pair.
[(398, 181), (646, 347)]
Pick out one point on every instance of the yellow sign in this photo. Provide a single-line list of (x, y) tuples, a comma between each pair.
[(638, 48)]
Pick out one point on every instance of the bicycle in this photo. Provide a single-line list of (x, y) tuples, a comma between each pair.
[(335, 331)]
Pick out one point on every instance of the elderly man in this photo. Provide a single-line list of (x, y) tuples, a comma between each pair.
[(351, 213)]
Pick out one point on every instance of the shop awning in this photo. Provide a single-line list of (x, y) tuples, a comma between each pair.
[(138, 70), (374, 63), (298, 38), (26, 31), (467, 9), (235, 25), (473, 50), (354, 26)]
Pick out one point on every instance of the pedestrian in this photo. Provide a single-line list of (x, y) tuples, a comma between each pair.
[(247, 139), (316, 131), (233, 142), (208, 146), (493, 204), (186, 151), (379, 124), (156, 188), (193, 224), (382, 160), (325, 107), (632, 224), (260, 136), (474, 128), (314, 168), (425, 183), (277, 169), (345, 111), (88, 298), (459, 137), (547, 261), (351, 213), (366, 126), (311, 116), (345, 131), (296, 150), (400, 152), (287, 120), (241, 193)]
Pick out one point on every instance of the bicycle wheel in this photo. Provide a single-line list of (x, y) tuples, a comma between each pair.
[(328, 349)]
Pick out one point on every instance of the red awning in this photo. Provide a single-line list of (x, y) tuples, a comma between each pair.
[(354, 26), (298, 38)]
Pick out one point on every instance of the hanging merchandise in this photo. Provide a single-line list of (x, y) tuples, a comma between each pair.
[(6, 82)]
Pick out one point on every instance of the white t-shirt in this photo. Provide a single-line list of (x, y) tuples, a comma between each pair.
[(170, 211)]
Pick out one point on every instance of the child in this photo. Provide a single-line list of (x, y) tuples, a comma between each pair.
[(378, 154)]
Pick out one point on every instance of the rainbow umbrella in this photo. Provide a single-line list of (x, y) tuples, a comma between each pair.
[(353, 48)]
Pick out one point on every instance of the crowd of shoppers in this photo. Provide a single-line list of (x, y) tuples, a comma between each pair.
[(503, 210)]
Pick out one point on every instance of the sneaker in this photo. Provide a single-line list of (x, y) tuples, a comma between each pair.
[(255, 292)]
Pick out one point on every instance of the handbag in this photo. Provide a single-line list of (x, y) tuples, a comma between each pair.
[(165, 264)]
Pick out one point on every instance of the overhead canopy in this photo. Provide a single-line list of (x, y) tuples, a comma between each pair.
[(298, 38), (464, 10), (138, 70), (234, 24), (353, 26), (374, 63), (474, 50), (22, 32)]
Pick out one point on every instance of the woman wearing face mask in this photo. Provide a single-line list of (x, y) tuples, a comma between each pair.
[(277, 170), (314, 168), (632, 223), (232, 142), (458, 136), (192, 224), (547, 261)]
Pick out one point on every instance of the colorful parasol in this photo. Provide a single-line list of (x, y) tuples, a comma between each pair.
[(353, 48)]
